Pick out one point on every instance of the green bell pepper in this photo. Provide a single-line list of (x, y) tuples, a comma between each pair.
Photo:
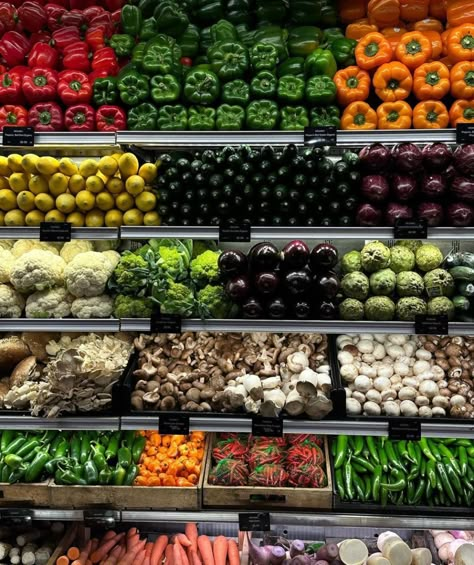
[(149, 29), (320, 90), (246, 35), (328, 116), (343, 51), (207, 12), (142, 117), (205, 39), (292, 66), (303, 40), (161, 57), (223, 31), (230, 118), (305, 12), (201, 87), (201, 118), (330, 34), (271, 11), (122, 44), (105, 91), (274, 35), (263, 57), (239, 12), (131, 19), (189, 42), (262, 115), (170, 18), (294, 118), (236, 92), (172, 118), (138, 54), (264, 85), (290, 89), (328, 13), (147, 7), (164, 89), (320, 62), (229, 59), (133, 88)]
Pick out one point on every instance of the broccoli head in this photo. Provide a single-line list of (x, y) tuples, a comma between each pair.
[(175, 298), (205, 269), (131, 275), (213, 302), (132, 307)]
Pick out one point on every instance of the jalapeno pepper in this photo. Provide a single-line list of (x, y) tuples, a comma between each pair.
[(112, 447), (16, 475), (53, 464), (124, 456), (426, 449), (62, 449), (376, 480), (445, 484), (13, 461), (75, 447), (5, 473), (7, 437), (119, 475), (91, 474), (138, 447), (58, 440), (105, 476), (99, 460), (27, 447), (85, 447), (363, 463), (68, 477), (339, 484), (14, 445), (132, 472), (33, 472), (341, 451), (48, 438)]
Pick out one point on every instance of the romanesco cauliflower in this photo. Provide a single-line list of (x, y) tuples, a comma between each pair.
[(175, 298), (131, 275), (132, 307), (204, 269), (213, 302)]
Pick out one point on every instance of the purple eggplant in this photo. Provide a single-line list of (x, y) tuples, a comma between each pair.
[(267, 283), (297, 282), (323, 257), (327, 310), (232, 263), (276, 309), (252, 308), (302, 309), (326, 284), (295, 254), (238, 288), (263, 257)]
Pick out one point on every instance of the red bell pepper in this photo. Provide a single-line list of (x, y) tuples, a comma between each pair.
[(97, 74), (40, 85), (95, 38), (114, 5), (74, 18), (91, 12), (80, 117), (66, 36), (11, 115), (81, 4), (76, 57), (7, 17), (32, 16), (55, 16), (105, 60), (40, 37), (10, 88), (43, 55), (116, 18), (13, 48), (74, 88), (46, 116), (110, 118), (104, 18), (19, 70)]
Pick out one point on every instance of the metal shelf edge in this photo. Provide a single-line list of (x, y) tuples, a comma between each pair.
[(60, 325), (99, 423), (71, 138), (76, 233)]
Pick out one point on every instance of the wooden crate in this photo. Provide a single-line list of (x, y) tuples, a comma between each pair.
[(266, 497), (24, 494)]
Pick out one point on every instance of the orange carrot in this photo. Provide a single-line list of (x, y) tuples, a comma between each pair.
[(176, 554), (128, 558), (183, 540), (183, 555), (169, 555), (63, 560), (108, 535), (73, 553), (114, 556), (132, 532), (139, 558), (81, 560), (196, 559), (205, 548), (192, 534), (158, 548), (148, 550), (233, 553), (220, 550), (104, 548), (189, 555), (132, 541)]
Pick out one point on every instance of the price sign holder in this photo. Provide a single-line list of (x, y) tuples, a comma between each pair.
[(55, 231), (165, 323), (254, 522), (235, 233), (174, 424), (18, 136), (267, 427), (102, 518), (321, 136), (16, 516), (411, 229), (464, 134), (432, 324), (404, 430)]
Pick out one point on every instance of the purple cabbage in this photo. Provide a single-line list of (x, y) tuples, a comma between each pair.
[(463, 188), (368, 215), (375, 158), (395, 211), (404, 187), (432, 212), (375, 188), (407, 158), (433, 186), (460, 215), (436, 157), (464, 160)]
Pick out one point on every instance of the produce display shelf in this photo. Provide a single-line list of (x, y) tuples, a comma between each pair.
[(76, 233), (70, 138), (96, 423), (60, 325)]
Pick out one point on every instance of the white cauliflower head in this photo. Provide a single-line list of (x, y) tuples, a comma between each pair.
[(6, 244), (11, 302), (87, 274), (37, 270), (93, 307), (73, 248), (106, 244), (6, 262), (113, 257), (23, 246), (53, 303)]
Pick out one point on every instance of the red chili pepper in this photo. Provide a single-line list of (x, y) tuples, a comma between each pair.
[(7, 17), (92, 12), (105, 60), (186, 61), (66, 36), (13, 48), (40, 37), (80, 117), (10, 88), (40, 85), (55, 16), (74, 18), (95, 38), (110, 118), (76, 57), (11, 115), (46, 116), (32, 16), (74, 88), (43, 55)]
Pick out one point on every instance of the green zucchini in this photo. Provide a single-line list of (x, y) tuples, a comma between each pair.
[(461, 302), (466, 289), (453, 260), (462, 274), (468, 259)]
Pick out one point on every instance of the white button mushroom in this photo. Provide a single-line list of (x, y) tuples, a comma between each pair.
[(425, 412), (440, 401), (382, 383), (422, 401), (423, 354), (374, 396), (359, 396), (363, 383), (421, 366), (372, 409), (385, 370), (349, 372), (428, 388), (391, 408), (388, 395), (353, 407), (408, 408), (379, 351), (395, 351), (365, 346), (345, 358), (407, 393)]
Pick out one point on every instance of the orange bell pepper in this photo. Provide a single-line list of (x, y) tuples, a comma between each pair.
[(459, 12), (372, 51), (393, 36), (414, 10), (462, 80), (414, 49), (438, 9), (461, 43), (428, 24), (444, 40), (462, 111), (394, 115), (436, 43), (384, 13), (353, 85), (430, 114), (358, 29), (431, 81), (392, 81), (351, 10), (359, 115)]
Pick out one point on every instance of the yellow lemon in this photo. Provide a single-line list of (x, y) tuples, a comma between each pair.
[(115, 185), (4, 183), (104, 201), (113, 219), (34, 218), (134, 185), (55, 216), (2, 218), (28, 162), (94, 184), (26, 201), (103, 178), (47, 165), (76, 219), (108, 166), (18, 181), (8, 200), (95, 218), (117, 155), (133, 217), (148, 171), (146, 201), (38, 184), (58, 184), (76, 184), (151, 219), (68, 167), (85, 200), (4, 168), (66, 203), (14, 218), (123, 201), (14, 162), (44, 202), (128, 165), (88, 167)]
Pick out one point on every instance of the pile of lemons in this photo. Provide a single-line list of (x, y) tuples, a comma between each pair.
[(111, 191)]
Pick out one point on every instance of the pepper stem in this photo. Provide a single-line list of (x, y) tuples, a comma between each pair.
[(432, 78), (45, 117), (393, 116), (11, 118), (359, 119), (413, 47), (469, 78), (79, 118), (371, 49), (75, 85), (467, 41), (40, 80), (352, 82), (468, 113), (432, 116)]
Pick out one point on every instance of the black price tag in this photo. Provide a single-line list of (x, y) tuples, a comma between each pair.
[(55, 231), (165, 323), (411, 229), (102, 518), (229, 233), (267, 427), (254, 522), (464, 133), (404, 430), (320, 136), (434, 325), (174, 424), (16, 516), (16, 136)]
